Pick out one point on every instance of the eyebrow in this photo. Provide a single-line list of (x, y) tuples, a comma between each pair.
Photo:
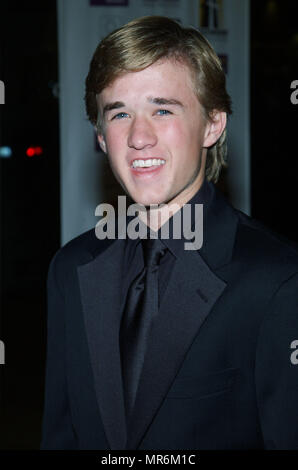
[(158, 100), (168, 101), (110, 106)]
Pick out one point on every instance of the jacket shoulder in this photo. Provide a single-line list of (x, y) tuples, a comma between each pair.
[(78, 251)]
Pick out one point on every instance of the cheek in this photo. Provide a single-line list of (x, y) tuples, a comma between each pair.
[(174, 135), (182, 140), (115, 143)]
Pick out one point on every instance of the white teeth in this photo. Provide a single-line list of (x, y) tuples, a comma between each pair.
[(147, 163)]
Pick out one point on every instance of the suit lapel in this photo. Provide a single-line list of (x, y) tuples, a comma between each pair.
[(100, 284), (192, 291), (190, 295)]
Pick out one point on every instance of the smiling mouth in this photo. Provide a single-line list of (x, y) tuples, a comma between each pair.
[(148, 163)]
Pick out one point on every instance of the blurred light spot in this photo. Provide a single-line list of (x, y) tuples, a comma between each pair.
[(31, 151), (38, 150), (5, 152)]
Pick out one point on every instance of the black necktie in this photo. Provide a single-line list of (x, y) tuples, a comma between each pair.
[(140, 309)]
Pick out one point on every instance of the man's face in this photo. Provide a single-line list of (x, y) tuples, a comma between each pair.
[(154, 114)]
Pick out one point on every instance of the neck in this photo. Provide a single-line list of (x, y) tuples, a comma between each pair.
[(157, 215)]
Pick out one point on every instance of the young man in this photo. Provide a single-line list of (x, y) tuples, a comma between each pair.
[(200, 351)]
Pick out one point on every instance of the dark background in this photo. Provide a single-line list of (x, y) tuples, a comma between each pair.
[(29, 211), (29, 187), (274, 119)]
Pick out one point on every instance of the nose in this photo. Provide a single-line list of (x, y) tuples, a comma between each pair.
[(141, 134)]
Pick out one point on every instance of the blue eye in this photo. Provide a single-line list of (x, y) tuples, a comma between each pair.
[(164, 111), (119, 115)]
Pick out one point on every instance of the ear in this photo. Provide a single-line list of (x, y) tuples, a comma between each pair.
[(102, 143), (215, 128)]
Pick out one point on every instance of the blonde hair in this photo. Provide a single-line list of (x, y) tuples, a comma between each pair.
[(142, 42)]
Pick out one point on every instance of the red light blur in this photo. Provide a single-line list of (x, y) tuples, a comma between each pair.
[(31, 151)]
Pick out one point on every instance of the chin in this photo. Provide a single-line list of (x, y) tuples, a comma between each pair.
[(150, 201), (147, 200)]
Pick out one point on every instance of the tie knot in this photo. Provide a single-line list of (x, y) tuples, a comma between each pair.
[(153, 250)]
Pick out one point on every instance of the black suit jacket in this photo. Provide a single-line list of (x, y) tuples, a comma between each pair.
[(220, 370)]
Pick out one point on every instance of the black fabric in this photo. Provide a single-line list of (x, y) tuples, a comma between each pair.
[(140, 309)]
